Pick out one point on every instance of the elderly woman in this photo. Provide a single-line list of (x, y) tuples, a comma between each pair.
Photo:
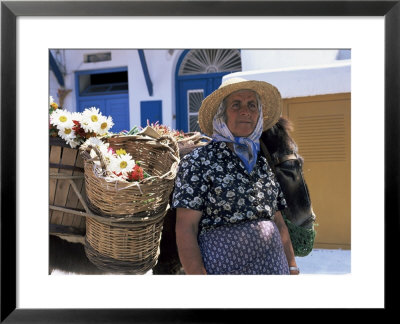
[(226, 196)]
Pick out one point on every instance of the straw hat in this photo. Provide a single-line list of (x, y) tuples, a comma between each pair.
[(270, 98)]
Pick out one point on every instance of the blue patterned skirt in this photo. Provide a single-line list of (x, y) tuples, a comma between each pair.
[(252, 247)]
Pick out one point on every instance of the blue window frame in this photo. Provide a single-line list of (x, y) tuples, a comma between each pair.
[(105, 93), (102, 82)]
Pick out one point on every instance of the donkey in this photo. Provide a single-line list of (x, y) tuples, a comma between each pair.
[(287, 164), (288, 167)]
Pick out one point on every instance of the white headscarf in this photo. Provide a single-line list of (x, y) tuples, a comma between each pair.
[(246, 148)]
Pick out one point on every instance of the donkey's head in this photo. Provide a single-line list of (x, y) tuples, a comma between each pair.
[(288, 165)]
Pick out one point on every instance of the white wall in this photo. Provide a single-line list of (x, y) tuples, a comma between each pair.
[(304, 81), (276, 59), (294, 72), (160, 65), (53, 87)]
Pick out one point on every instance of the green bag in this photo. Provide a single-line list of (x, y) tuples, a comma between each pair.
[(302, 238)]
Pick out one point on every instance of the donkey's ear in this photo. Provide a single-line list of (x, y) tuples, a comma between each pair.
[(285, 124)]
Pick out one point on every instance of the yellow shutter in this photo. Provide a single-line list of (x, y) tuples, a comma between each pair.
[(322, 133)]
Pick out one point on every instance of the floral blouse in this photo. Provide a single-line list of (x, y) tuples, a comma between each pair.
[(213, 179)]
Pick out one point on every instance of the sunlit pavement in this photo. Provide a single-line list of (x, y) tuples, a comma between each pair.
[(319, 261)]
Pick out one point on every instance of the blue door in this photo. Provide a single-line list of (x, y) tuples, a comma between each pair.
[(117, 108), (88, 103), (192, 91), (198, 73), (106, 90)]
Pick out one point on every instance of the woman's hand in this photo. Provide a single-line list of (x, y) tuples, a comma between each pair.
[(286, 242), (187, 224)]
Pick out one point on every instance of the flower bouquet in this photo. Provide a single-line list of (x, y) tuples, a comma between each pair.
[(75, 128), (67, 194), (117, 184), (117, 164), (163, 130)]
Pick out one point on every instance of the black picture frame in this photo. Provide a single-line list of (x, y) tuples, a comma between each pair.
[(10, 10)]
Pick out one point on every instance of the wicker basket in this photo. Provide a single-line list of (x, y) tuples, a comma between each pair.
[(66, 189), (192, 141), (129, 245), (109, 196)]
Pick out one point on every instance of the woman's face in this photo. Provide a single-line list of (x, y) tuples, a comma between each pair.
[(241, 112)]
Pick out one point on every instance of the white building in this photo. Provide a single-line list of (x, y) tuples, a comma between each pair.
[(168, 85)]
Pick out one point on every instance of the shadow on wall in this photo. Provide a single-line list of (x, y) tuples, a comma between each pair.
[(343, 55)]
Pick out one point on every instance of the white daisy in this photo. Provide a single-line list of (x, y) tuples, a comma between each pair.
[(69, 136), (91, 120), (107, 154), (122, 164), (94, 141), (73, 143), (76, 116), (66, 133), (105, 124), (61, 118)]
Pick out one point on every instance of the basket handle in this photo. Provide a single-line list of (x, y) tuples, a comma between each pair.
[(174, 150), (170, 175), (195, 138), (86, 155)]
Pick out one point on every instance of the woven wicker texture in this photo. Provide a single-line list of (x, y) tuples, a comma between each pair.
[(107, 195), (124, 235), (124, 247)]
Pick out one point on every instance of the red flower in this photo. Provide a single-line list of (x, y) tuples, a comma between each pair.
[(79, 131), (136, 174)]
